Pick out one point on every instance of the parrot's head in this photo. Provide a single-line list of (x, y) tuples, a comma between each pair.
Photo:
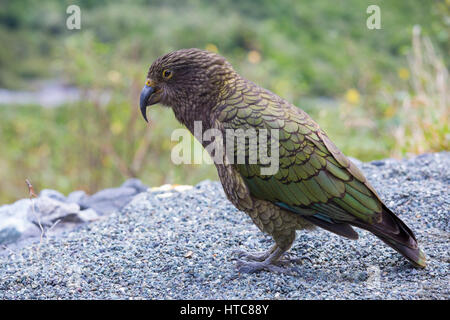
[(185, 78)]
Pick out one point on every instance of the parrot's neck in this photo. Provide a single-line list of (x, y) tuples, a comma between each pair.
[(199, 111), (191, 115)]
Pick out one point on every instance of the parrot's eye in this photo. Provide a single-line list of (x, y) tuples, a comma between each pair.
[(167, 74)]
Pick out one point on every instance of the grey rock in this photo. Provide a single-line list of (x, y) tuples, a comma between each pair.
[(52, 194), (136, 184), (109, 200), (88, 215), (9, 235), (78, 197), (14, 222), (47, 211), (16, 211), (23, 218)]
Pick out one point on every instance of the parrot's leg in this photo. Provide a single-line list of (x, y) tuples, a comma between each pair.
[(255, 256), (270, 260), (269, 264)]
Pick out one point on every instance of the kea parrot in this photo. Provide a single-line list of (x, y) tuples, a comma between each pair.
[(315, 184)]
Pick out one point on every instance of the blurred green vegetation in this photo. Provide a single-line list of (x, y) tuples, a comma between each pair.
[(377, 93)]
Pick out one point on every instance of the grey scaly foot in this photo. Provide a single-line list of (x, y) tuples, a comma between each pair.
[(255, 266), (270, 263), (254, 256)]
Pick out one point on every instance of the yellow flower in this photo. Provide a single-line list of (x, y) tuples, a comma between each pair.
[(254, 57), (403, 73), (352, 96), (116, 127), (212, 47), (114, 76)]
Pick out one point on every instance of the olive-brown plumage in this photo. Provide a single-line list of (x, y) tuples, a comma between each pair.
[(315, 184)]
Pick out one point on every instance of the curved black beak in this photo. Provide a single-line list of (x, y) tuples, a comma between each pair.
[(145, 95)]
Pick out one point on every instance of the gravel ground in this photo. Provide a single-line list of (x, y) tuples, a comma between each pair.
[(178, 245)]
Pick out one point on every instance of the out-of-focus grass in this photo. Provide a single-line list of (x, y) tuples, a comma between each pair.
[(364, 87), (54, 151)]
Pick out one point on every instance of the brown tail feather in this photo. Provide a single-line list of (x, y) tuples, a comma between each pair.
[(395, 233)]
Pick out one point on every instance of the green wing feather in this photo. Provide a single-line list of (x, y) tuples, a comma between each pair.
[(313, 173), (314, 178)]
